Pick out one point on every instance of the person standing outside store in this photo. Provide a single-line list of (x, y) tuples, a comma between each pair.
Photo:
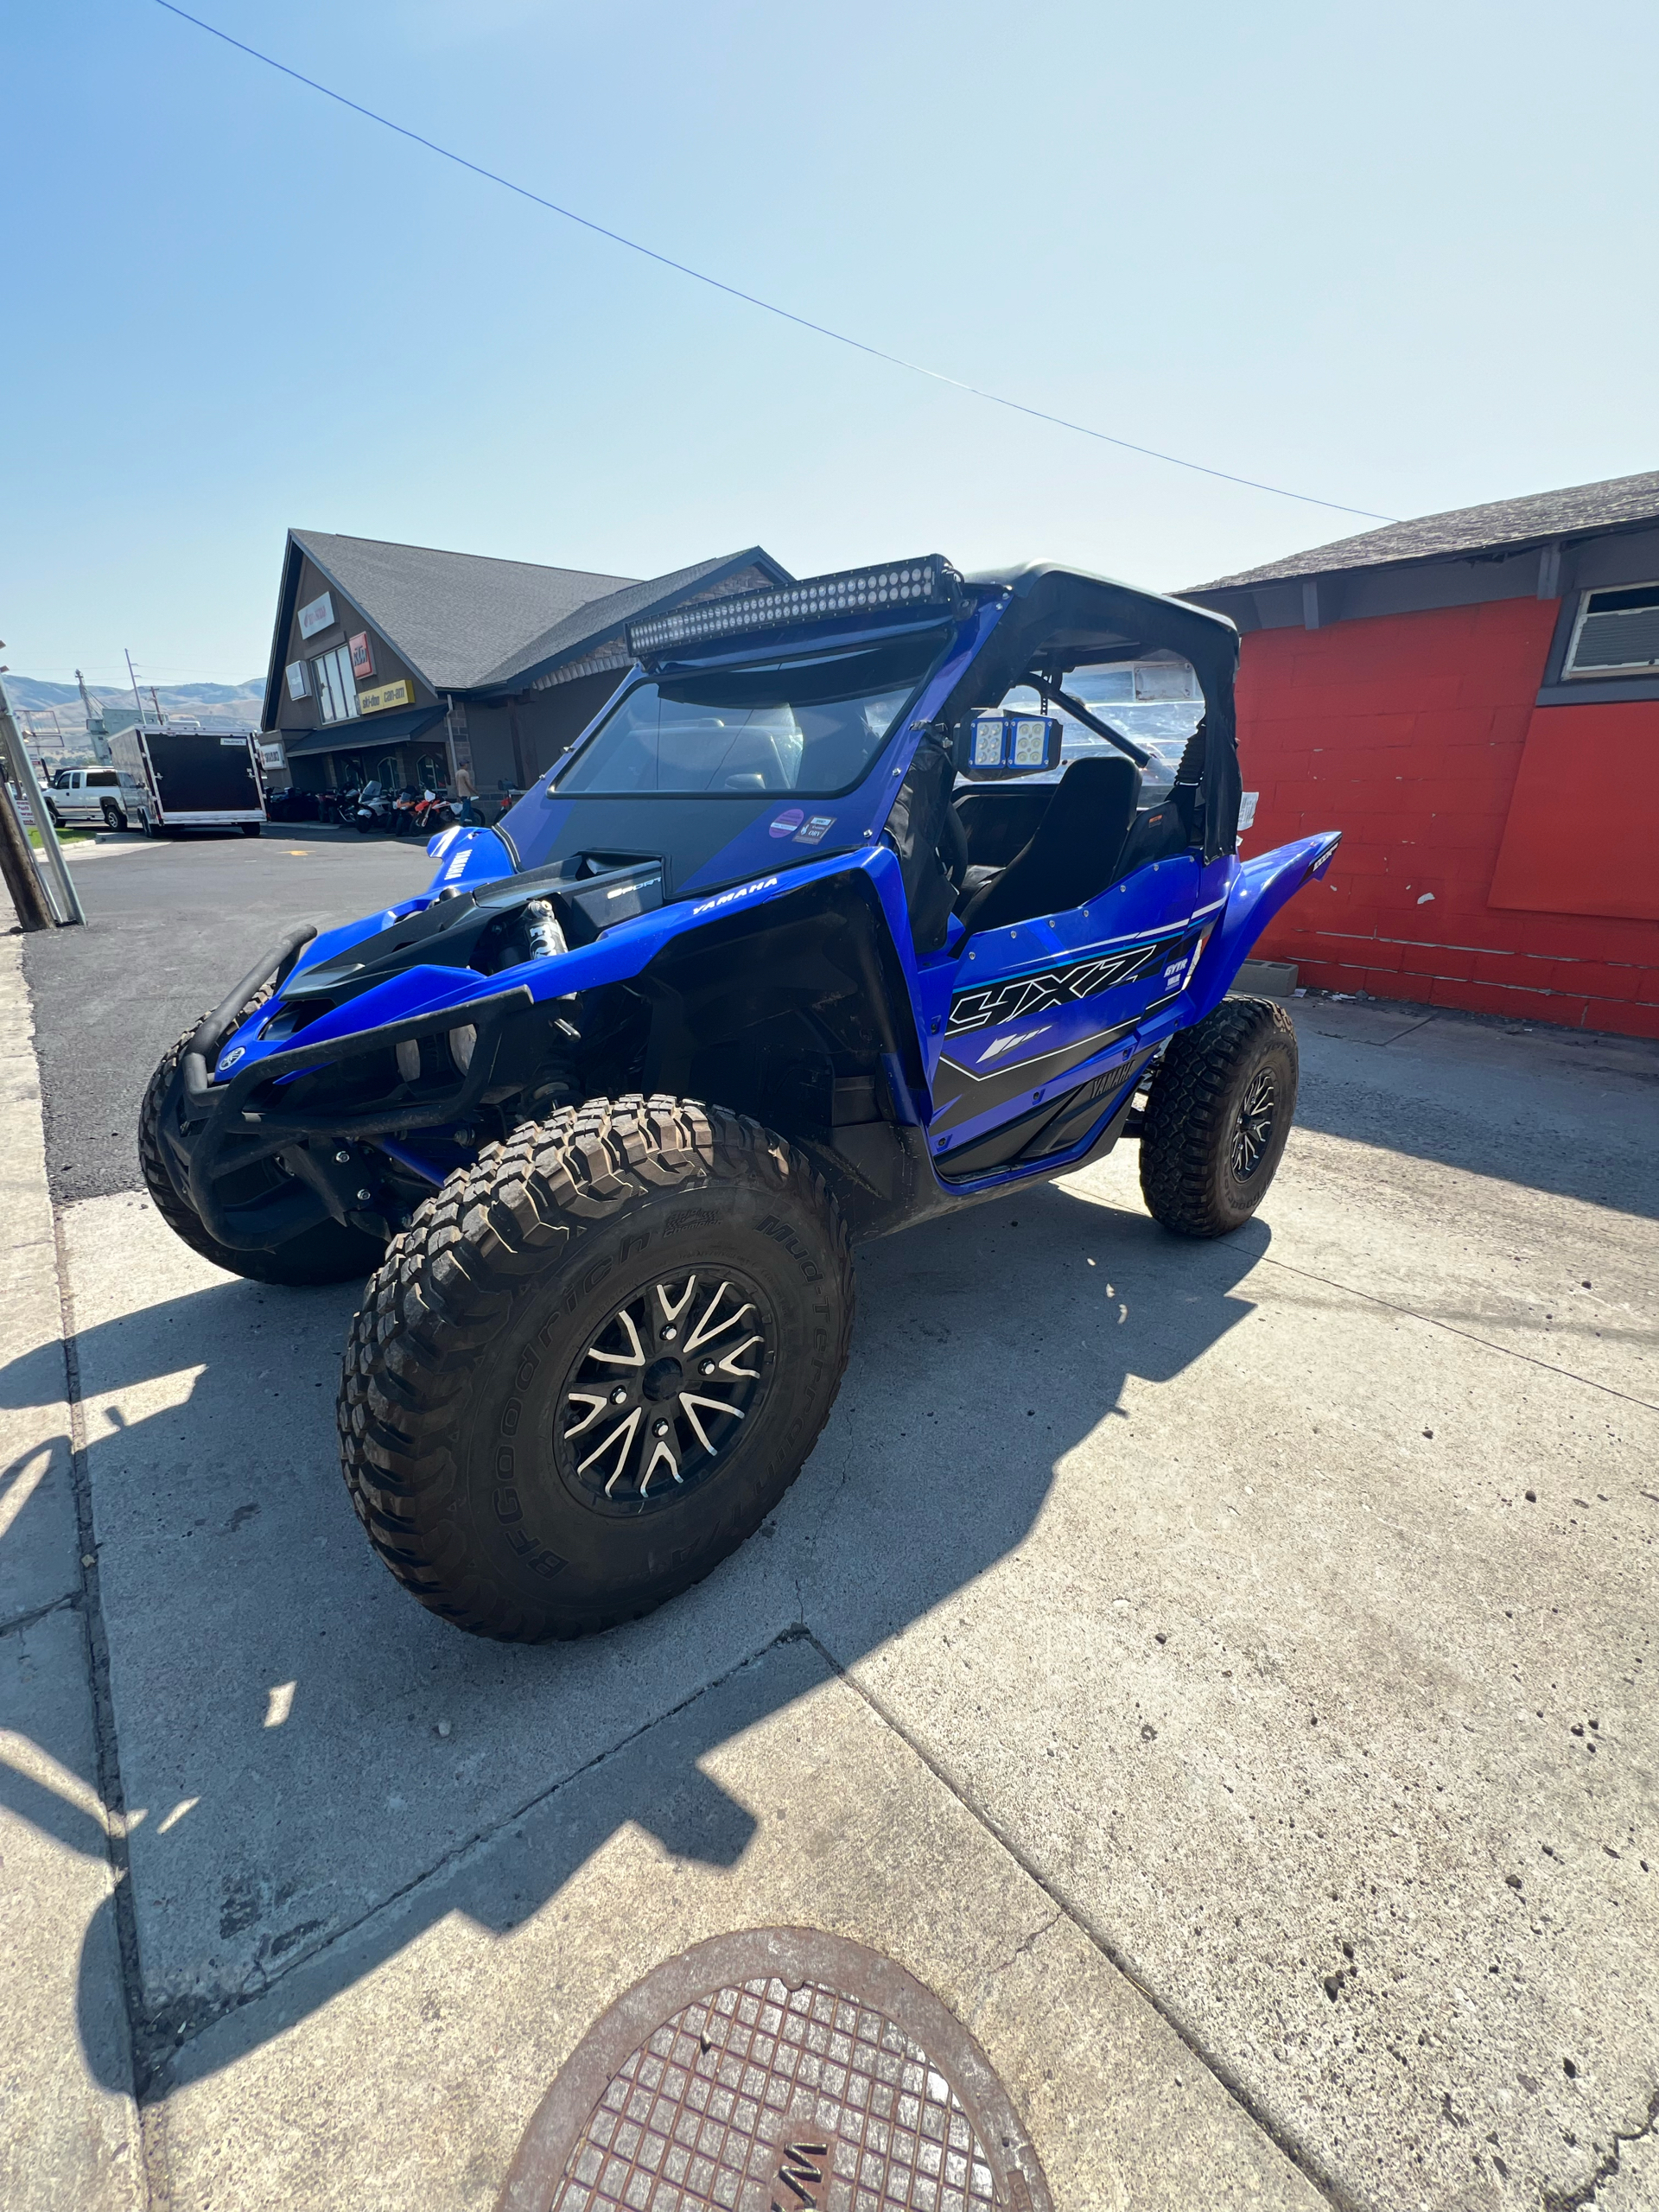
[(466, 797)]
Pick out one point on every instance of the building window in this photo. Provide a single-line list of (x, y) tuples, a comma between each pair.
[(331, 673), (431, 771), (1616, 633)]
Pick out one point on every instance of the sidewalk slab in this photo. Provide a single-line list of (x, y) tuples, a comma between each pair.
[(39, 1547), (406, 2071), (69, 2138), (1204, 1575)]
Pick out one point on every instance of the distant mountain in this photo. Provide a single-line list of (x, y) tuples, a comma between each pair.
[(215, 706)]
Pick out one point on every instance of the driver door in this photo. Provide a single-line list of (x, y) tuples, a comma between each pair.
[(1046, 998)]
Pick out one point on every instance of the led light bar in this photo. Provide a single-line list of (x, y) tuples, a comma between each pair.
[(930, 580)]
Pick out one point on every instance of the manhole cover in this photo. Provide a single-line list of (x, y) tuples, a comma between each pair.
[(779, 2070)]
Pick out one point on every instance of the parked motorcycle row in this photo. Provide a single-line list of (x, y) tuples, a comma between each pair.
[(371, 808), (411, 812)]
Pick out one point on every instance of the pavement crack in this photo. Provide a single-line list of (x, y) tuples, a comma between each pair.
[(1577, 2200), (1030, 1940), (1429, 1321), (69, 1602)]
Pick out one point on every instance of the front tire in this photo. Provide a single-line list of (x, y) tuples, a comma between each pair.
[(593, 1365), (251, 829), (1221, 1104), (114, 819)]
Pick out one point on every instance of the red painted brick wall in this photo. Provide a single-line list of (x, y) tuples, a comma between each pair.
[(1406, 733)]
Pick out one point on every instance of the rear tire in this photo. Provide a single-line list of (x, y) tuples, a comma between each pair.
[(113, 817), (513, 1414), (251, 829), (329, 1253), (1221, 1104)]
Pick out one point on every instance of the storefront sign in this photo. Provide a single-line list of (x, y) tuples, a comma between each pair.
[(298, 686), (362, 659), (384, 695), (318, 615), (270, 757)]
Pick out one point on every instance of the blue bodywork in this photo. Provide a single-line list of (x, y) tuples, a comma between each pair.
[(988, 1028)]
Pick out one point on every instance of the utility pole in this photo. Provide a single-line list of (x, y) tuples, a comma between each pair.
[(97, 734), (23, 878), (132, 674)]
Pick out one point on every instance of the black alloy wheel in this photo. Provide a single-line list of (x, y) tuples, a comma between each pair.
[(648, 1407), (1253, 1129)]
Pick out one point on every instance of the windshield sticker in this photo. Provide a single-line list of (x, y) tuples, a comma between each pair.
[(816, 829), (743, 891), (784, 824)]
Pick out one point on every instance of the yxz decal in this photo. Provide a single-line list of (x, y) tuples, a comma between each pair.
[(1015, 996)]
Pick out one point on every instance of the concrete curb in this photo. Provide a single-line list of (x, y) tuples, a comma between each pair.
[(64, 2138)]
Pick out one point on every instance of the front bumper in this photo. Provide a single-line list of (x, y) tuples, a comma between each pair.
[(213, 1132)]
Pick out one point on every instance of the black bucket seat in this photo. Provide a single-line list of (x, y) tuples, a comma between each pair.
[(1071, 855)]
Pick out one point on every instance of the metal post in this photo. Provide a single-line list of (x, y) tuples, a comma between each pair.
[(17, 866), (64, 896)]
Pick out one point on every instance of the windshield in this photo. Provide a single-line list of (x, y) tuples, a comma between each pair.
[(811, 726)]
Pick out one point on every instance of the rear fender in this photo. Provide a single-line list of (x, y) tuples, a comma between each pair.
[(1259, 889)]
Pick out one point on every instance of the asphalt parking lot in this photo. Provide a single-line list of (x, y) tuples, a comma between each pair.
[(170, 926), (1219, 1671)]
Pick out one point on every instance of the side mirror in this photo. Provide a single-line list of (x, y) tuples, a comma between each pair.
[(990, 744)]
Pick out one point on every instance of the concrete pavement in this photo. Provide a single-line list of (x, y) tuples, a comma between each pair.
[(1219, 1671)]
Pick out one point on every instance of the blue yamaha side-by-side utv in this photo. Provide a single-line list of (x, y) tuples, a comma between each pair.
[(850, 908)]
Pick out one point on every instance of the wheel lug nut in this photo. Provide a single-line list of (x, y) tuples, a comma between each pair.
[(670, 1333), (707, 1366), (659, 1428), (342, 1156), (618, 1396)]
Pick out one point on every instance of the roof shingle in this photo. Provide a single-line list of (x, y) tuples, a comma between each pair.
[(453, 616), (597, 621), (1469, 530)]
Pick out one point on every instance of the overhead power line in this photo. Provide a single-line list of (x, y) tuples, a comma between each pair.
[(752, 299)]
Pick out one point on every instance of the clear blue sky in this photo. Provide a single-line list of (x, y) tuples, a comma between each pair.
[(1401, 257)]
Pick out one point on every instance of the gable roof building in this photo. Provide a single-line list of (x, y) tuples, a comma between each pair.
[(1499, 531), (424, 665), (1472, 699)]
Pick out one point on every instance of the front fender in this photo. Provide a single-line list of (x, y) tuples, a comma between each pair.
[(1258, 890)]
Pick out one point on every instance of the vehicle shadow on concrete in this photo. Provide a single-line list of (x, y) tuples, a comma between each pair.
[(394, 1786)]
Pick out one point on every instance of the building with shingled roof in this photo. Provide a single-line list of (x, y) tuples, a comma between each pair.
[(414, 665), (1472, 699)]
